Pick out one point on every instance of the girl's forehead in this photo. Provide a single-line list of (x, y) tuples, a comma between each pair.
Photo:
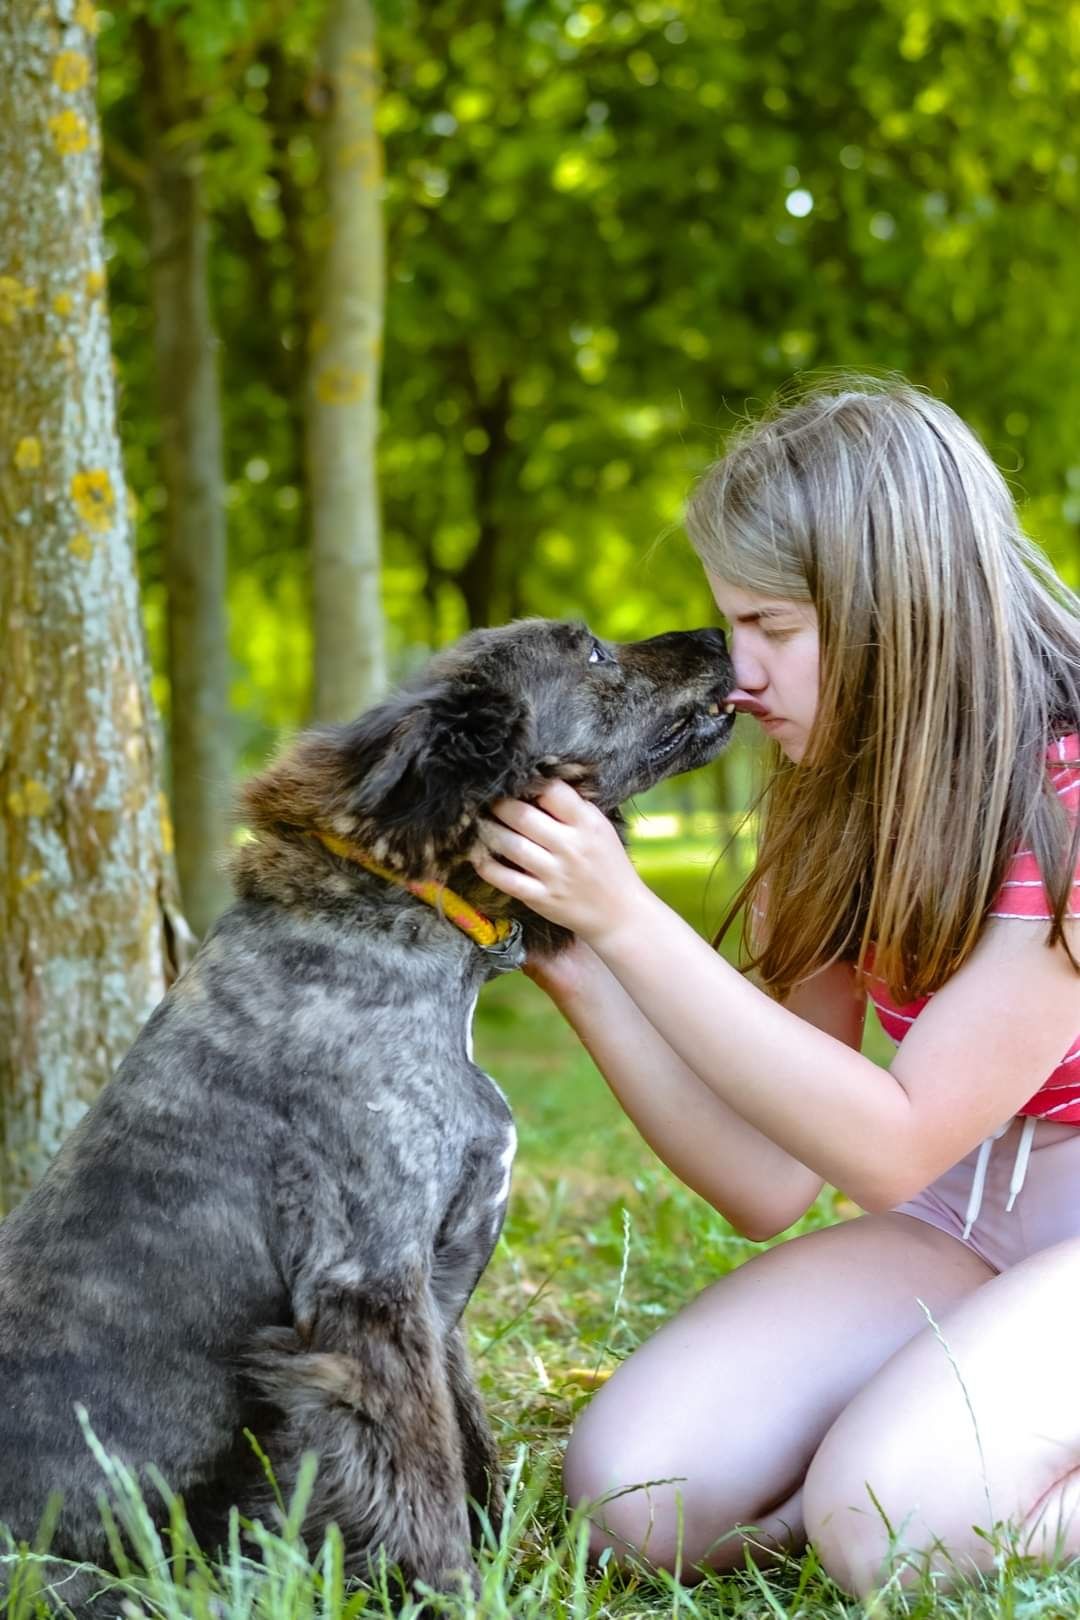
[(735, 603)]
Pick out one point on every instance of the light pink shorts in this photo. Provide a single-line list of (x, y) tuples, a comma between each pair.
[(1046, 1209)]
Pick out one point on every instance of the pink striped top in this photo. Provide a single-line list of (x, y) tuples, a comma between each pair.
[(1021, 895)]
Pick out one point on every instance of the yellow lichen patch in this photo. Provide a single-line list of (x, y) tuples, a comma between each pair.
[(71, 72), (133, 709), (362, 154), (81, 546), (86, 16), (70, 131), (335, 385), (168, 842), (32, 799), (30, 880), (95, 283), (63, 304), (64, 347), (14, 296), (28, 454), (360, 79), (94, 498)]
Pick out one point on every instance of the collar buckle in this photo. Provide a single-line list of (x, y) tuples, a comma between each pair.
[(508, 953)]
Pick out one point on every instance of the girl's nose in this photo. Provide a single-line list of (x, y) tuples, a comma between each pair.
[(750, 674)]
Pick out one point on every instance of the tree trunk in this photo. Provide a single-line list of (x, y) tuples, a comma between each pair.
[(185, 351), (343, 373), (479, 578), (87, 896)]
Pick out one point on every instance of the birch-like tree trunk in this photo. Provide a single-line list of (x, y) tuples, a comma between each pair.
[(185, 352), (88, 916), (345, 341)]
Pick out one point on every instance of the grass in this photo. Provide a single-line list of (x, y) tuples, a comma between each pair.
[(600, 1245)]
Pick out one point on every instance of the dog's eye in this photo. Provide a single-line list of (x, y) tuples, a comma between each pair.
[(598, 654)]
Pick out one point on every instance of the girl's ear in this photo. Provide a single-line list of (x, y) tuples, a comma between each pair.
[(418, 769)]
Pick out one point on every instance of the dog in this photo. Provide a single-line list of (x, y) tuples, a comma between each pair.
[(272, 1217)]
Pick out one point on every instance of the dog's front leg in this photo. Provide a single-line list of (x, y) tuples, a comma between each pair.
[(364, 1386), (483, 1476)]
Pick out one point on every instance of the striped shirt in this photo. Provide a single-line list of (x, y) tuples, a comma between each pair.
[(1022, 894)]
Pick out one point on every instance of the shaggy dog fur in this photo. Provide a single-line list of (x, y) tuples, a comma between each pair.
[(273, 1216)]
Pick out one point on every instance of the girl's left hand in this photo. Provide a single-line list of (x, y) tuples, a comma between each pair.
[(574, 869)]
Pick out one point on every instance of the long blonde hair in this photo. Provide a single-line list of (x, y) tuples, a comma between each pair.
[(950, 658)]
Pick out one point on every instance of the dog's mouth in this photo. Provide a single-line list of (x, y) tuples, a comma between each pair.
[(698, 733)]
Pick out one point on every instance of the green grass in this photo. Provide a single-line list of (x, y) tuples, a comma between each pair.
[(601, 1244)]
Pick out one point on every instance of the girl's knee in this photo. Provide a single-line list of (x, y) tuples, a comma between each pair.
[(646, 1515), (618, 1504), (844, 1522)]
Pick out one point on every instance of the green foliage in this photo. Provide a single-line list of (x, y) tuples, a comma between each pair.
[(610, 226)]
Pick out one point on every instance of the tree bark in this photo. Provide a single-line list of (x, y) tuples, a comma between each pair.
[(345, 345), (479, 577), (88, 912), (185, 352)]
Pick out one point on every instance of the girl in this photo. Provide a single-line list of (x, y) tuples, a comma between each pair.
[(895, 1381)]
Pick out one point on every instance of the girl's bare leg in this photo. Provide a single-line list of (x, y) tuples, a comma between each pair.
[(727, 1404), (976, 1424)]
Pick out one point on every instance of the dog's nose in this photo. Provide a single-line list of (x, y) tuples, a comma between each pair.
[(716, 638), (713, 644)]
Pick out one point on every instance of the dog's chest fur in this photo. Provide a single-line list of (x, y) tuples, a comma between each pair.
[(300, 1118)]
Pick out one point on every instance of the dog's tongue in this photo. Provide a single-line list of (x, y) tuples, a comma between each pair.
[(744, 703)]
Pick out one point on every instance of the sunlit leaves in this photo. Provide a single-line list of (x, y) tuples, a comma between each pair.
[(611, 223)]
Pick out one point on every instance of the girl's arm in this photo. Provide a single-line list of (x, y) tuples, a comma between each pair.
[(754, 1183), (976, 1054)]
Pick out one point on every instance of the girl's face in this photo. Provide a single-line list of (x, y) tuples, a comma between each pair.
[(774, 645)]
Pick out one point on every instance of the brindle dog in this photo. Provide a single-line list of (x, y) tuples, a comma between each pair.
[(273, 1216)]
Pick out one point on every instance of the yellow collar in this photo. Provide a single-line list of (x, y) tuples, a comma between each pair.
[(497, 936)]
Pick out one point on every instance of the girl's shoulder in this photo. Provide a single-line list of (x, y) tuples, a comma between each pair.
[(1023, 892), (1022, 895)]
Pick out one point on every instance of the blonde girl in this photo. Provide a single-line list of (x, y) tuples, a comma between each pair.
[(898, 1383)]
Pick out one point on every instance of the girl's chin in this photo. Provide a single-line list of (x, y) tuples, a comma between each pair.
[(786, 737)]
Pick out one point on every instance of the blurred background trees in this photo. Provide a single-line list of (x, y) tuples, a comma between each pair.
[(427, 316), (609, 227)]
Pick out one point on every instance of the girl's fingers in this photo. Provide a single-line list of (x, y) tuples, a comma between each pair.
[(565, 803), (519, 885), (495, 836), (528, 820), (558, 805)]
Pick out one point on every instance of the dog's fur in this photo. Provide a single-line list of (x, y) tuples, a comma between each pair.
[(274, 1214)]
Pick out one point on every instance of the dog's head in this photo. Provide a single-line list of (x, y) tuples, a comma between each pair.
[(496, 715)]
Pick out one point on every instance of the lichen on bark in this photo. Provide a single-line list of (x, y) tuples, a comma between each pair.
[(88, 913)]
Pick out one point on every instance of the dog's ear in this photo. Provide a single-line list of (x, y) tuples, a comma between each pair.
[(419, 768)]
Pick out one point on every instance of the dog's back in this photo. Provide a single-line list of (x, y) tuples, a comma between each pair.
[(258, 1136), (112, 1290)]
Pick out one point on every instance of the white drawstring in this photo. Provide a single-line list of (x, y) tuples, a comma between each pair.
[(971, 1214), (1020, 1165)]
